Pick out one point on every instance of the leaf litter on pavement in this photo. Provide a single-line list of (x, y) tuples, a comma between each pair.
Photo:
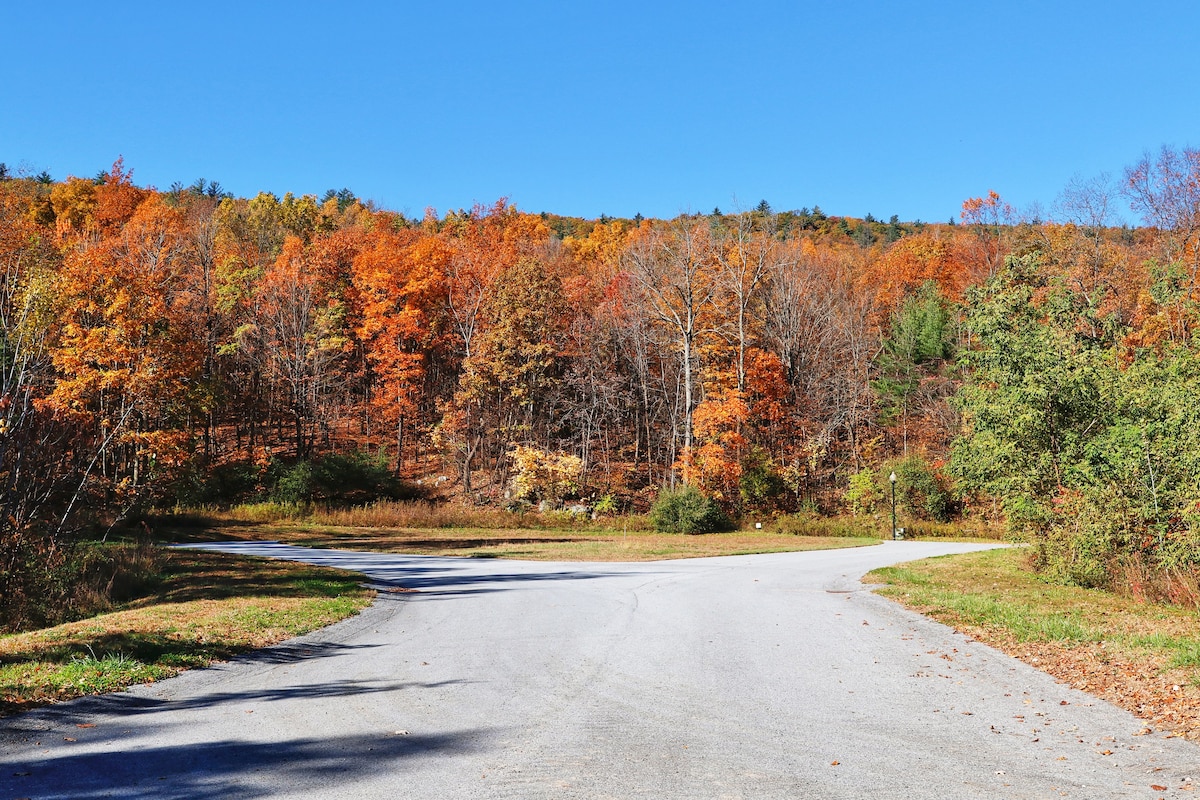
[(1140, 657)]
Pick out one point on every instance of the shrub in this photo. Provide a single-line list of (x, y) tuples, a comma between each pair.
[(291, 483), (687, 510), (864, 493), (760, 485), (336, 478), (358, 477), (541, 476), (606, 506), (919, 490), (1079, 539), (217, 485)]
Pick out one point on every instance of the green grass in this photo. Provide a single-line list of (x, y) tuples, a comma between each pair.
[(208, 607), (1184, 652), (992, 596)]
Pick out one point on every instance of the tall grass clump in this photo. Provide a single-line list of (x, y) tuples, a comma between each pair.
[(91, 577)]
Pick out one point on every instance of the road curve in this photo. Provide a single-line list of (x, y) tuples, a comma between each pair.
[(769, 676)]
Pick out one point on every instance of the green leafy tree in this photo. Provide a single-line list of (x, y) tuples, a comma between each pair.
[(920, 491), (1032, 401), (914, 356), (760, 484)]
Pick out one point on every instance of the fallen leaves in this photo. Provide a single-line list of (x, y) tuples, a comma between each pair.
[(1133, 682), (1111, 662)]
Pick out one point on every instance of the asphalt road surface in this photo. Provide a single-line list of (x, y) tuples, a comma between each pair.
[(771, 676)]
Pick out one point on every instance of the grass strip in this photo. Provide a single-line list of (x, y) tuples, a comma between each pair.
[(524, 543), (207, 607), (1140, 656)]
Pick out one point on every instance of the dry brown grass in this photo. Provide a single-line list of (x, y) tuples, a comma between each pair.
[(400, 514), (526, 543), (1178, 586)]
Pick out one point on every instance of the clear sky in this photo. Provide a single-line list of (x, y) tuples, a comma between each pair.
[(621, 107)]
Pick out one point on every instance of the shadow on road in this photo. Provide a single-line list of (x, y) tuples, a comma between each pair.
[(150, 648), (442, 583), (228, 768), (123, 705), (297, 692), (292, 652), (430, 575)]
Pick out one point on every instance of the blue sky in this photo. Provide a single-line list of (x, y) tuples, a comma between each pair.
[(616, 108)]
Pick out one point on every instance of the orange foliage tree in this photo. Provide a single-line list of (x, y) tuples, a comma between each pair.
[(401, 278), (127, 350)]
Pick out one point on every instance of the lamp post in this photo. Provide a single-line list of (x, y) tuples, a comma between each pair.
[(892, 479)]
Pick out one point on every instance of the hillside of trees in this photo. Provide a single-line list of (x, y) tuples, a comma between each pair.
[(191, 347)]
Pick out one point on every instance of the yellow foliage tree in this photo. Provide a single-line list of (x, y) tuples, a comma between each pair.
[(541, 476)]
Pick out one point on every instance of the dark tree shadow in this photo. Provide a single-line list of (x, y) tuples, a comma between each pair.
[(434, 575), (466, 544), (229, 768), (198, 574), (125, 704), (120, 705)]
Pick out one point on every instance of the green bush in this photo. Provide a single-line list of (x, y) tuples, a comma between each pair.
[(291, 483), (761, 486), (1080, 539), (687, 510), (358, 477), (606, 506), (336, 478), (864, 493), (920, 492), (218, 485)]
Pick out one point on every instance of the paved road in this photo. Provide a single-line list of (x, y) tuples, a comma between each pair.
[(770, 676)]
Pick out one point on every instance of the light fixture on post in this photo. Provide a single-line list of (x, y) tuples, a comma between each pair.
[(892, 479)]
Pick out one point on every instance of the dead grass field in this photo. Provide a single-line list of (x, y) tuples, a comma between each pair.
[(524, 543)]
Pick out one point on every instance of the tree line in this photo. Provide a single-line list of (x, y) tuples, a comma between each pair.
[(185, 345)]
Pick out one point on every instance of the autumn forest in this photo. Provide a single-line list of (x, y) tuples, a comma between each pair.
[(186, 347)]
